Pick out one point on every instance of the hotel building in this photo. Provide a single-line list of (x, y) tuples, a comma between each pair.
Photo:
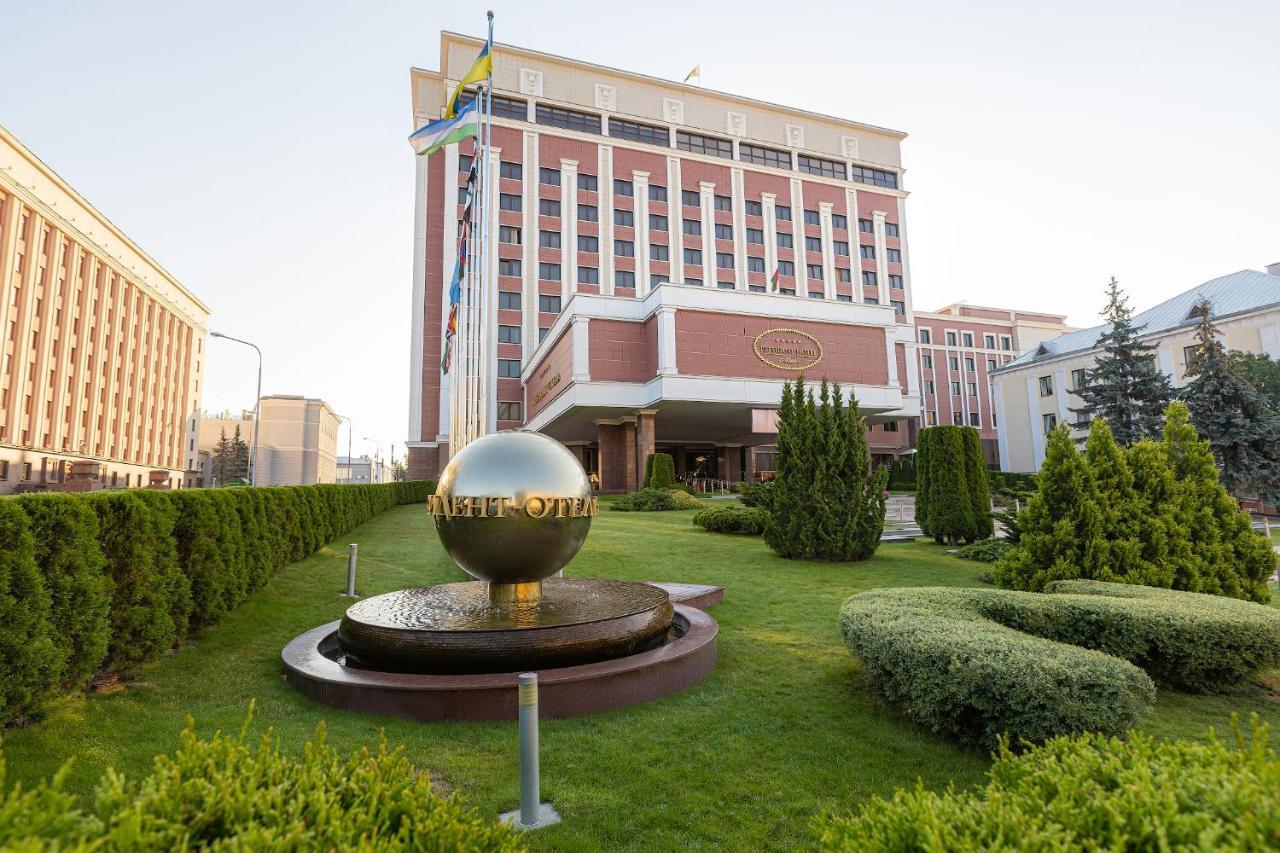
[(1038, 391), (636, 224), (102, 348)]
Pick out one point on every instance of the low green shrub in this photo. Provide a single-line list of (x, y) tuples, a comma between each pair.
[(973, 663), (655, 500), (222, 793), (732, 519), (755, 494), (984, 550), (30, 658), (659, 471), (1087, 791)]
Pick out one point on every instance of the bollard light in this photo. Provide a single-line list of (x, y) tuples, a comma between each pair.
[(351, 571), (533, 813)]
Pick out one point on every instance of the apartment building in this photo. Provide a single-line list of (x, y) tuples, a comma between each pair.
[(297, 440)]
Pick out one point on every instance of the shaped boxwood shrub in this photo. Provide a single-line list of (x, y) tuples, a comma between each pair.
[(222, 793), (973, 664), (756, 494), (655, 500), (732, 519), (1088, 791)]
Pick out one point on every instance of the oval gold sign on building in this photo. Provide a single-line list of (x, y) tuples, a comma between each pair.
[(788, 349)]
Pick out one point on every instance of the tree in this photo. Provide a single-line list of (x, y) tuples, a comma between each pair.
[(1241, 426), (238, 462), (953, 501), (222, 460), (1125, 385), (975, 472), (1121, 555), (1262, 372), (659, 471)]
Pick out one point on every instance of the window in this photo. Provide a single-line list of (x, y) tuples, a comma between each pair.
[(926, 360), (840, 247), (509, 234), (549, 304), (568, 119), (786, 268), (658, 252), (587, 243), (657, 193), (813, 271), (926, 336), (844, 297), (726, 285), (891, 426), (502, 107), (549, 272), (975, 420), (462, 195), (549, 239), (957, 419), (894, 256), (989, 341), (844, 274), (839, 220), (637, 132), (509, 368), (1046, 386), (785, 241), (895, 281), (967, 337), (724, 232), (543, 331), (787, 291), (868, 253), (690, 198), (508, 266), (692, 227), (624, 248), (755, 288), (755, 236), (693, 282), (508, 334), (513, 171), (509, 201), (811, 217), (929, 387), (693, 256), (510, 411), (508, 300), (699, 144), (657, 279), (624, 278), (625, 218), (588, 275), (548, 207), (968, 364), (549, 176), (973, 389), (1077, 380), (875, 177), (955, 389), (464, 162), (657, 222), (588, 213), (782, 213), (816, 294), (953, 362), (762, 156), (813, 244), (951, 339), (754, 208), (724, 260), (869, 278), (1050, 422), (891, 229), (991, 364), (1189, 354), (1006, 343), (723, 202), (588, 183), (623, 188), (819, 166), (866, 226), (755, 264)]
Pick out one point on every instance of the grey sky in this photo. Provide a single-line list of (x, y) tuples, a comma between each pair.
[(257, 149)]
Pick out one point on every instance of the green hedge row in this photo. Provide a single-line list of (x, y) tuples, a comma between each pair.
[(974, 664), (1087, 792), (222, 793), (114, 578), (654, 500), (732, 519)]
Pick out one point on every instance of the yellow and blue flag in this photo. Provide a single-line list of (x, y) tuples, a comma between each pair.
[(480, 70)]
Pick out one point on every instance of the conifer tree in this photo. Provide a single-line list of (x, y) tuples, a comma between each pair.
[(924, 480), (949, 498), (1262, 372), (238, 469), (1117, 504), (1242, 428), (222, 458), (1125, 385), (1166, 550), (979, 489)]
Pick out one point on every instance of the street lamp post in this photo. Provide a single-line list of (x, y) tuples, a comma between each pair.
[(350, 430), (257, 407), (377, 457)]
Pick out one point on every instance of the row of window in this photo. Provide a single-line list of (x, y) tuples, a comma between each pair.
[(931, 388), (510, 301), (953, 363), (967, 338)]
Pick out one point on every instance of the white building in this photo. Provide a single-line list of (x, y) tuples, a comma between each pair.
[(1036, 392)]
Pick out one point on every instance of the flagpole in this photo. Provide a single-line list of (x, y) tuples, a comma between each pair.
[(487, 333)]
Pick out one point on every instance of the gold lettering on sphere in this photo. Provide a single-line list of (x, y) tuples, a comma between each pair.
[(788, 349), (534, 506)]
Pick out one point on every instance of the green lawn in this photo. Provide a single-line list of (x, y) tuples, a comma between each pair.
[(783, 729)]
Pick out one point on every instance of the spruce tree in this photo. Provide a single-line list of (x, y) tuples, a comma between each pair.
[(222, 458), (239, 468), (1125, 385), (1118, 506), (1262, 372), (1241, 426)]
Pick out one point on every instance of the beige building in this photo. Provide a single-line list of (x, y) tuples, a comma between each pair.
[(297, 442), (1036, 392), (102, 348)]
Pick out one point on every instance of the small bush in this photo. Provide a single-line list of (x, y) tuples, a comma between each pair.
[(984, 550), (732, 519), (755, 494), (655, 500), (659, 471), (1087, 791), (222, 793)]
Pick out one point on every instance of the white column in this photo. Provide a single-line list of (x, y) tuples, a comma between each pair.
[(568, 227), (1002, 439), (913, 369), (906, 261), (882, 278), (606, 219), (641, 205), (797, 234), (739, 225), (581, 349), (675, 218), (1060, 395), (828, 251), (666, 341), (419, 303), (768, 202), (890, 339), (1037, 424), (529, 296), (448, 258), (707, 191), (489, 304)]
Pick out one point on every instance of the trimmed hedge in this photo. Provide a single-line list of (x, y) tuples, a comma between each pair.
[(732, 519), (659, 471), (1088, 791), (222, 793), (115, 578), (655, 500), (974, 664)]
